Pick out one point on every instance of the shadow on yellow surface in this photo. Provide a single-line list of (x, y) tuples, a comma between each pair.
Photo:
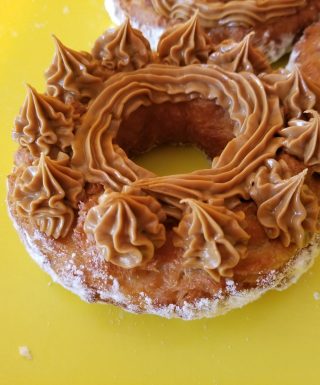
[(273, 341)]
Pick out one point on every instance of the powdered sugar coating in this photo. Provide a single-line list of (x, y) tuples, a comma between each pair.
[(72, 279)]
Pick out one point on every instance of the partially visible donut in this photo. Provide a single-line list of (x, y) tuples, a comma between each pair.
[(276, 23), (188, 245)]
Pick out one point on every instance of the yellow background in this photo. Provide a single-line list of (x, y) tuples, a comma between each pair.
[(273, 341)]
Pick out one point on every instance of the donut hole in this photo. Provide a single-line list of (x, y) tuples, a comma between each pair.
[(173, 159), (200, 123)]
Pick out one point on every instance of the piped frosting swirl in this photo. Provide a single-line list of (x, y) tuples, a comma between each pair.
[(73, 72), (233, 12), (212, 237), (286, 206), (124, 49), (239, 56), (46, 192), (184, 44), (127, 228), (44, 121), (303, 138)]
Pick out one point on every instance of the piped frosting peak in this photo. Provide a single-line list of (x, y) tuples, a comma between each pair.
[(292, 89), (286, 206), (212, 237), (239, 56), (235, 12), (73, 72), (123, 49), (46, 192), (302, 138), (184, 44), (44, 121), (127, 228)]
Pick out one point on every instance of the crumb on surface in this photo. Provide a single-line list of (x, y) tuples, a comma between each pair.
[(66, 10), (316, 295), (25, 352), (39, 25)]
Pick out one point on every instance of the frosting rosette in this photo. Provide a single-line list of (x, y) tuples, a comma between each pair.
[(212, 237), (234, 12), (303, 138), (44, 121), (184, 44), (123, 49), (127, 228), (46, 192), (286, 206)]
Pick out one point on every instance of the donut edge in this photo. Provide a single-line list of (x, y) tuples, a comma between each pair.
[(202, 308)]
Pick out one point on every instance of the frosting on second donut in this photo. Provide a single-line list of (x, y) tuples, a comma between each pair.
[(44, 121), (233, 12)]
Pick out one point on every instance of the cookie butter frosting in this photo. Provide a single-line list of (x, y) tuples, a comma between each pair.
[(232, 12), (127, 228), (184, 44), (239, 56), (46, 192), (211, 236), (272, 113), (286, 206), (303, 138), (73, 72), (124, 49), (44, 121)]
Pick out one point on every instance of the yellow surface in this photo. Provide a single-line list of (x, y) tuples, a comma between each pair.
[(273, 341)]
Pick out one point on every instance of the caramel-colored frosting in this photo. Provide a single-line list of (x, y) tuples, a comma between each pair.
[(232, 12), (126, 228), (123, 49), (44, 121), (212, 237), (46, 192), (239, 56), (303, 138), (292, 90), (73, 72), (129, 221), (286, 206), (184, 44)]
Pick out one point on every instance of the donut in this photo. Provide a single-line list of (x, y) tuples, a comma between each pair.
[(188, 245), (276, 23)]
